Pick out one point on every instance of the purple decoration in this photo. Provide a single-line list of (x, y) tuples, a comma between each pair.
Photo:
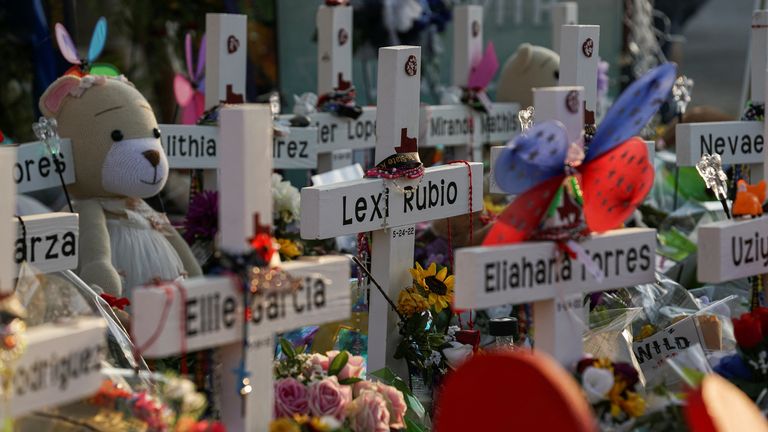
[(202, 221)]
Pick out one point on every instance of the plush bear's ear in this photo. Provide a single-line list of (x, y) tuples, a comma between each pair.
[(522, 58), (53, 98)]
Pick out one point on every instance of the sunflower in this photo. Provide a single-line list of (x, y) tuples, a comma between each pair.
[(437, 284), (288, 248), (410, 302)]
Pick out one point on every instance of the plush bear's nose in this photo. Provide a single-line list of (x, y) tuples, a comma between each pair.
[(153, 156)]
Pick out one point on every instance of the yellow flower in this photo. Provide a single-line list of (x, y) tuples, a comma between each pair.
[(283, 424), (437, 284), (411, 302), (634, 405), (646, 331), (419, 274), (604, 363), (301, 419), (317, 424), (614, 396), (289, 248)]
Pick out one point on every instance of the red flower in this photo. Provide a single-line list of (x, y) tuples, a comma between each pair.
[(761, 313), (115, 302), (584, 363), (748, 330), (263, 245)]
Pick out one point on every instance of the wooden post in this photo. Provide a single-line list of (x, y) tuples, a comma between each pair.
[(565, 13), (737, 142), (579, 56), (7, 210), (214, 309)]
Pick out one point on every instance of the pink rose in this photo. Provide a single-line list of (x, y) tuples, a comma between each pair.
[(353, 368), (362, 386), (291, 397), (329, 398), (395, 404), (319, 360), (368, 413)]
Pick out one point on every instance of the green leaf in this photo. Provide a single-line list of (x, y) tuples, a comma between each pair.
[(350, 381), (414, 426), (414, 405), (287, 348), (338, 363), (385, 375)]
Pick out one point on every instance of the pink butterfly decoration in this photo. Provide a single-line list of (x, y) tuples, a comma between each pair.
[(484, 69), (190, 89)]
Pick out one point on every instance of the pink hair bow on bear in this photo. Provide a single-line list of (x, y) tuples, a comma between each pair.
[(480, 77), (190, 89)]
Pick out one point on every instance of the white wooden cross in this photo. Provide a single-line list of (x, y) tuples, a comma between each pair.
[(51, 242), (579, 58), (737, 142), (530, 272), (561, 14), (390, 208), (731, 249), (337, 136), (578, 67), (196, 147), (458, 125), (61, 362), (213, 311)]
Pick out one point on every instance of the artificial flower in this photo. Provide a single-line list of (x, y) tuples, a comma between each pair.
[(286, 199), (457, 353), (362, 386), (352, 369), (263, 244), (438, 285), (116, 302), (202, 221), (324, 424), (748, 331), (597, 382), (288, 248), (368, 413), (283, 424), (761, 313), (633, 405), (410, 302), (395, 405), (291, 397), (329, 398)]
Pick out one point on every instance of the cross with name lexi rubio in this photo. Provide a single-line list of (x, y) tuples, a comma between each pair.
[(390, 208)]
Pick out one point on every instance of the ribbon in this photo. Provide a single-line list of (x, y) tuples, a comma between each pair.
[(575, 251)]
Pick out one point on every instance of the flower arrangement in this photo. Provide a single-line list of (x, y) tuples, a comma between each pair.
[(748, 367), (328, 392), (177, 407), (286, 214), (611, 389), (425, 311)]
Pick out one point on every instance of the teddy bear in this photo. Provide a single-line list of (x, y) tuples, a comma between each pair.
[(119, 161), (529, 67)]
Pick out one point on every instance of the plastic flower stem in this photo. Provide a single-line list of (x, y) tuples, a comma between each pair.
[(386, 297)]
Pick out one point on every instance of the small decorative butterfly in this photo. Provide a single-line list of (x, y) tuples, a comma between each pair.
[(615, 174), (85, 65), (190, 89)]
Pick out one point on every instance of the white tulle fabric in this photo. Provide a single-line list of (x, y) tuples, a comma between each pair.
[(140, 252)]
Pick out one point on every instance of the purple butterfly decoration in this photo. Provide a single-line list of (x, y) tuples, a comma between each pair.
[(190, 89)]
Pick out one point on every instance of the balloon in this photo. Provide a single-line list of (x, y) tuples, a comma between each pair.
[(518, 391)]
